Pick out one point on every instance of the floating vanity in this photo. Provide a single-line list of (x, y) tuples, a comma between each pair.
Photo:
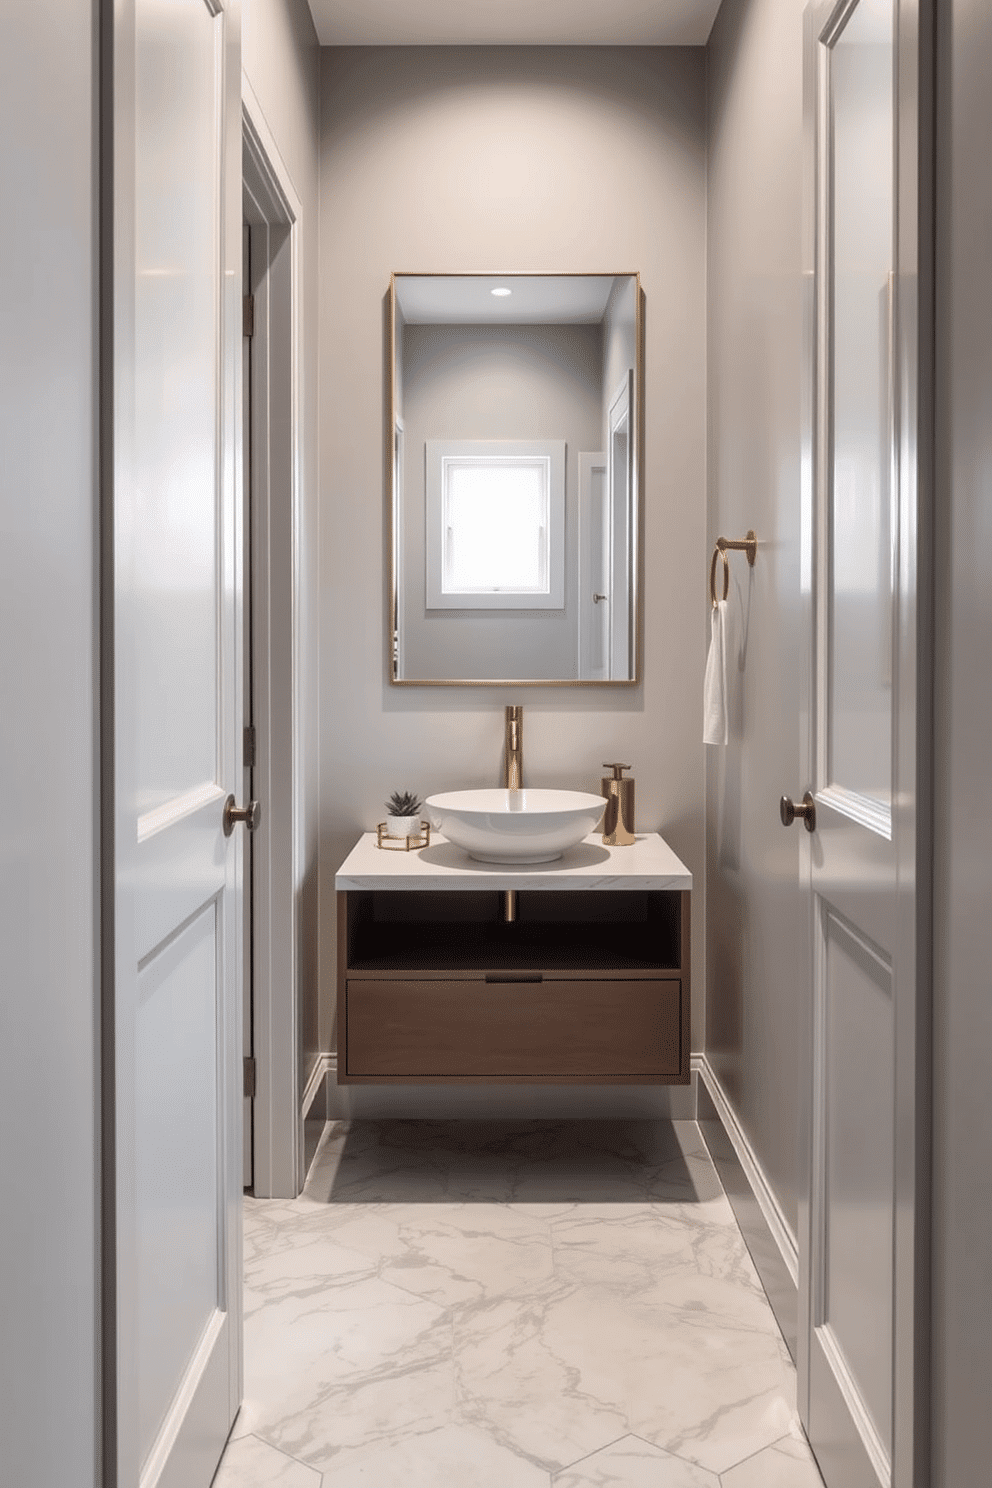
[(455, 971)]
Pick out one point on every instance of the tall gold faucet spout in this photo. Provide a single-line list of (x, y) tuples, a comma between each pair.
[(513, 753)]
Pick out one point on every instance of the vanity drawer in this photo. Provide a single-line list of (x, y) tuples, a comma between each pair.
[(514, 1030)]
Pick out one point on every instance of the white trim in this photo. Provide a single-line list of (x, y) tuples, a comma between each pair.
[(590, 463), (623, 620), (278, 1145), (327, 1064), (266, 153), (855, 1402), (771, 1210), (157, 1463)]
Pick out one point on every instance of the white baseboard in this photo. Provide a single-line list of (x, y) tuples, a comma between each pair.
[(326, 1064), (771, 1211)]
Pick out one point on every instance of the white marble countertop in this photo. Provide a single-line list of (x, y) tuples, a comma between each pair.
[(648, 863)]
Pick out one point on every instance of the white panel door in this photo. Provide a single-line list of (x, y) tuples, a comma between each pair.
[(248, 756), (862, 1219), (620, 436), (177, 707), (594, 569)]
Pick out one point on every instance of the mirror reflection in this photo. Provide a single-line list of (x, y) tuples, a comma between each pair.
[(515, 480)]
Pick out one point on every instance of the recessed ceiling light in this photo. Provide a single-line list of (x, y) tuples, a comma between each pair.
[(501, 292)]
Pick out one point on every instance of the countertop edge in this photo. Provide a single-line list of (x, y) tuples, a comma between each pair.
[(577, 870)]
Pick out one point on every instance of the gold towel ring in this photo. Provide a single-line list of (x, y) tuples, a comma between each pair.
[(719, 552), (748, 545)]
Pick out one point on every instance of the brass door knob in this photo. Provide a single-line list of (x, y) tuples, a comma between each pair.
[(788, 811), (251, 815)]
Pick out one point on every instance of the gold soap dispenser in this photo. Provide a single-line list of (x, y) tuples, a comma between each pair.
[(618, 823)]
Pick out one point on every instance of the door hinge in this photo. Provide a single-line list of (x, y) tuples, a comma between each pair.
[(250, 751), (249, 1077), (248, 315)]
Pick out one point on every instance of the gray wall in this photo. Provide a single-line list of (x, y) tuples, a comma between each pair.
[(619, 349), (495, 382), (753, 905), (280, 59), (560, 159), (962, 1131), (49, 863)]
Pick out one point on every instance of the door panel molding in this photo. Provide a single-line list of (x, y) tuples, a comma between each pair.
[(839, 1210)]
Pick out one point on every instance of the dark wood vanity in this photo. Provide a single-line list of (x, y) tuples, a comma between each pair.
[(586, 984)]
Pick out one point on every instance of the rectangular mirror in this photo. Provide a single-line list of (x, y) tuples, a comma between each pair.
[(515, 431)]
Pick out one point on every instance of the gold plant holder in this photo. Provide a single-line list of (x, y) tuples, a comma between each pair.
[(403, 844)]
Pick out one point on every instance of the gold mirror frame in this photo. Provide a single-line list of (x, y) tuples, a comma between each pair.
[(637, 518)]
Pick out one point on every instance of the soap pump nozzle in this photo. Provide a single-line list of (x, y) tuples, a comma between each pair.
[(618, 823)]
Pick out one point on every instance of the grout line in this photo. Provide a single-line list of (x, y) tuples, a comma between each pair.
[(287, 1455), (768, 1447), (594, 1453)]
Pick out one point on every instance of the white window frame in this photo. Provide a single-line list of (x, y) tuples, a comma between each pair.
[(440, 451)]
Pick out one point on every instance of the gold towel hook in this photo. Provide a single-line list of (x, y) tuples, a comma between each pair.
[(748, 545)]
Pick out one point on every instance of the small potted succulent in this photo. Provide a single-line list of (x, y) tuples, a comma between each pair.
[(403, 814)]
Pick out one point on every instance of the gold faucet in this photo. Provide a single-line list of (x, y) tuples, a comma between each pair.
[(513, 753)]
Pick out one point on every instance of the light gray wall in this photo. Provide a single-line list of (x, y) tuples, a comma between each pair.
[(495, 382), (962, 1131), (280, 59), (49, 863), (619, 348), (753, 905), (556, 159)]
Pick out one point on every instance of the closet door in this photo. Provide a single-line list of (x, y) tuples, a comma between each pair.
[(863, 1218), (177, 714)]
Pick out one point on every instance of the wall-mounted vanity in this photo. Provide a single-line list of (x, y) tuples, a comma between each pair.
[(515, 427), (589, 983)]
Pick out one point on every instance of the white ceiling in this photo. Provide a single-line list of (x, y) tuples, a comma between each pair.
[(513, 22)]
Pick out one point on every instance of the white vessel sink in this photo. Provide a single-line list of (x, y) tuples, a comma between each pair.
[(520, 826)]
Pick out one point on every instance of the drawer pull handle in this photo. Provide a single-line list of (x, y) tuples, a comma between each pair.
[(511, 976)]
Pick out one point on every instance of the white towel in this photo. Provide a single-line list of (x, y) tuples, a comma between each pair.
[(715, 679)]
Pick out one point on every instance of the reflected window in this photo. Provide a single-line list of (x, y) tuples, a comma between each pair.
[(495, 515), (496, 520)]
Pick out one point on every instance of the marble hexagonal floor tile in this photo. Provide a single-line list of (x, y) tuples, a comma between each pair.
[(328, 1371), (314, 1264), (451, 1253), (528, 1372), (512, 1303), (693, 1363), (714, 1377), (251, 1463), (634, 1463), (627, 1247), (453, 1455), (788, 1463), (499, 1161)]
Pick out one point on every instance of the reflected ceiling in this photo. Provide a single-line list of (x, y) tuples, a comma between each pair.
[(475, 299), (514, 22)]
